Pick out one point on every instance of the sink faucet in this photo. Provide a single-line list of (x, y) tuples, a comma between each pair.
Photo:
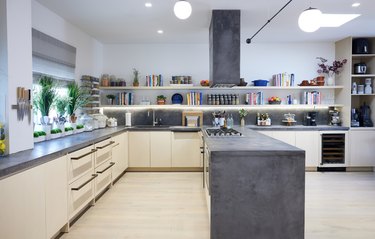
[(155, 121)]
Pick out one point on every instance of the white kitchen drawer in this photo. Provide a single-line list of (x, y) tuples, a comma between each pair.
[(103, 151), (81, 193), (80, 162), (104, 178)]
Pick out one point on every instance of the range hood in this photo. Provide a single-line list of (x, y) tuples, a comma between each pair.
[(224, 43)]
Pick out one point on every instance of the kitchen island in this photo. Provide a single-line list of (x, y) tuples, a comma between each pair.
[(256, 187)]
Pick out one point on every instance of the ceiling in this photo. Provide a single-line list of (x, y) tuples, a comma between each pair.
[(129, 21)]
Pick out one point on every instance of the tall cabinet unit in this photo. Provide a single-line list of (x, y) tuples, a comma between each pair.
[(358, 136)]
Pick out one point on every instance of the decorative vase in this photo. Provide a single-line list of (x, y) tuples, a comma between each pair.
[(242, 122), (330, 80)]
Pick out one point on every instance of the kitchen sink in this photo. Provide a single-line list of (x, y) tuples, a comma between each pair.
[(151, 126)]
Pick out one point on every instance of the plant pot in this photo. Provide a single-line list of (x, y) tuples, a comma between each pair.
[(44, 120), (160, 102), (242, 122), (73, 119), (55, 136), (135, 83)]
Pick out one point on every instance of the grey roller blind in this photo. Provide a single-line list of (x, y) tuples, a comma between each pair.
[(52, 56)]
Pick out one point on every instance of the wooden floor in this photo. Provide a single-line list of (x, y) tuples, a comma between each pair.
[(172, 205)]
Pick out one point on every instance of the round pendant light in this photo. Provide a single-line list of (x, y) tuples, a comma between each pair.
[(182, 9), (309, 20)]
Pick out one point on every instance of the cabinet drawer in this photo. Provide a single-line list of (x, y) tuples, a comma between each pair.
[(104, 178), (81, 192), (103, 151), (80, 162)]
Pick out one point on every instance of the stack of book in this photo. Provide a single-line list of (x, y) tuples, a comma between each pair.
[(124, 98), (254, 98), (194, 98), (311, 98), (154, 80), (283, 79)]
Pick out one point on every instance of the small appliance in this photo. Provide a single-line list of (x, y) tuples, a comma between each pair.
[(354, 118), (310, 118), (335, 117), (365, 116), (360, 68), (361, 46)]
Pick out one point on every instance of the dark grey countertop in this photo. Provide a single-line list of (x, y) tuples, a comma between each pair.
[(52, 149), (251, 142), (297, 127)]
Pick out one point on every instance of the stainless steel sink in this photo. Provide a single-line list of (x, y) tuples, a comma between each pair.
[(151, 126)]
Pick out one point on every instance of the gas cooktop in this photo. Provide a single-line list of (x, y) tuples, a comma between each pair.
[(222, 132)]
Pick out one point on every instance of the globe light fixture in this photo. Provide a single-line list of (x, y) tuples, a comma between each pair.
[(309, 20), (182, 9)]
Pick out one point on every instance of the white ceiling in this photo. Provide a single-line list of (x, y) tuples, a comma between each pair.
[(129, 21)]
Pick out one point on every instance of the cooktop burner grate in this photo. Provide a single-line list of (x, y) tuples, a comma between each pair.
[(222, 132)]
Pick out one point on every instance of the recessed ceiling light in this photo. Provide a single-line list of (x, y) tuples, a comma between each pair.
[(160, 31), (148, 4), (336, 20), (356, 4)]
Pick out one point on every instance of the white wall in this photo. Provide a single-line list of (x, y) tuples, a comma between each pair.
[(89, 50), (258, 61), (19, 66)]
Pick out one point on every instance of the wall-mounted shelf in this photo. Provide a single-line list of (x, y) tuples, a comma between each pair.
[(363, 75), (233, 88), (223, 106), (362, 55), (362, 94)]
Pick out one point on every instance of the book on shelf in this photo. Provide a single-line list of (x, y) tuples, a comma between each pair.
[(124, 98), (283, 79), (154, 80), (254, 98), (194, 98), (311, 98)]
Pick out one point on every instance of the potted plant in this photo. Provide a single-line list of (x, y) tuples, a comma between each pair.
[(135, 77), (80, 128), (160, 99), (56, 133), (78, 97), (61, 107), (242, 113), (330, 70), (110, 99), (68, 130), (45, 97)]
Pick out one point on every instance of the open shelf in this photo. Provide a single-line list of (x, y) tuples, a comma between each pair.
[(233, 88), (362, 94), (225, 106), (362, 55), (363, 75)]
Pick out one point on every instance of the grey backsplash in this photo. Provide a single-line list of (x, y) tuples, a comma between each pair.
[(174, 116)]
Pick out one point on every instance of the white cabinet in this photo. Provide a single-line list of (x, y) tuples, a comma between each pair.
[(362, 149), (288, 137), (22, 203), (309, 141), (139, 149), (103, 165), (120, 154), (186, 149), (56, 191), (160, 149)]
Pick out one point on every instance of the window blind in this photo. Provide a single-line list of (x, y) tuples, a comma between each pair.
[(52, 57)]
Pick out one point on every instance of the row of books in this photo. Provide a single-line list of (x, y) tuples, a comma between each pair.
[(124, 98), (283, 79), (154, 80), (194, 98), (254, 98), (311, 98)]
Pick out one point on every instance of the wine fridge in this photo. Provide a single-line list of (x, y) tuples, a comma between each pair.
[(333, 148)]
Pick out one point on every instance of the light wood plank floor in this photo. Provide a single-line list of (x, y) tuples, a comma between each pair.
[(172, 205)]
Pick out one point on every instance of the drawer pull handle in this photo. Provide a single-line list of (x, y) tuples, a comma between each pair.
[(202, 150), (84, 155), (102, 147), (111, 164), (84, 184)]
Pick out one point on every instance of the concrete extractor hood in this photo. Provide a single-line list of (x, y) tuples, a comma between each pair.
[(225, 37)]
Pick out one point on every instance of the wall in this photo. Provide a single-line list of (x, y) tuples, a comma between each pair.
[(89, 50), (258, 61)]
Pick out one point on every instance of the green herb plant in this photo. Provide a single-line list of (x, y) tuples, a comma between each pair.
[(46, 96)]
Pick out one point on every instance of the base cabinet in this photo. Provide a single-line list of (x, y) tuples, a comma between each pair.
[(160, 149), (186, 149), (56, 189), (139, 149), (120, 154), (309, 141), (23, 205), (362, 150)]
